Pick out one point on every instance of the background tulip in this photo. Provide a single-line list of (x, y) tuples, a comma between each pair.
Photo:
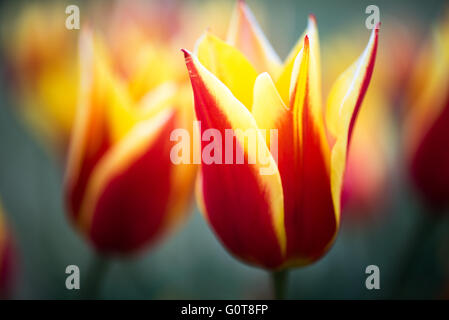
[(44, 73), (426, 128), (42, 63), (122, 189), (7, 259)]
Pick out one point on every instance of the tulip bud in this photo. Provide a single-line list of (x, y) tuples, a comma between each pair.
[(122, 190), (289, 216)]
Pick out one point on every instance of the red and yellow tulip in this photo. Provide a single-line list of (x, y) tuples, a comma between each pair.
[(40, 56), (290, 217), (7, 259), (427, 124), (42, 64), (122, 190)]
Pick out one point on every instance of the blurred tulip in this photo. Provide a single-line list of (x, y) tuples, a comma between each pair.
[(366, 181), (41, 63), (122, 190), (427, 123), (289, 218), (7, 259)]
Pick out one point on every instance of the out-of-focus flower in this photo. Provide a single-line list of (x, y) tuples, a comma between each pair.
[(289, 217), (366, 183), (7, 259), (122, 189), (427, 123), (41, 53), (42, 68)]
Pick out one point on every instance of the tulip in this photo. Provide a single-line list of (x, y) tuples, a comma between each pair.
[(122, 190), (427, 122), (7, 259), (42, 65), (289, 217), (40, 56)]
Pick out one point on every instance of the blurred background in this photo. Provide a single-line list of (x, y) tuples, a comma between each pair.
[(385, 221)]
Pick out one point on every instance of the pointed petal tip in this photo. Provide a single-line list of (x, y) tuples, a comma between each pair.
[(306, 42), (188, 57), (241, 7), (312, 18), (186, 52)]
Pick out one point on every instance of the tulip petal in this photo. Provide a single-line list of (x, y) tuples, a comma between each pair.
[(427, 88), (7, 258), (183, 175), (310, 219), (127, 195), (90, 136), (246, 208), (245, 34), (229, 65), (268, 108), (7, 267), (199, 194), (119, 114), (427, 124), (283, 83), (343, 104), (429, 165), (3, 232), (270, 113), (123, 114)]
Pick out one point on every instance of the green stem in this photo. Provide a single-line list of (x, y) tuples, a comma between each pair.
[(95, 277), (280, 283)]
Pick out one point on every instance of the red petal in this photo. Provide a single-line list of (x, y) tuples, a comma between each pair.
[(127, 200), (238, 200)]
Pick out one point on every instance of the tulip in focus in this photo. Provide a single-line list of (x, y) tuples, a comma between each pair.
[(122, 190), (7, 259), (289, 218), (427, 124)]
